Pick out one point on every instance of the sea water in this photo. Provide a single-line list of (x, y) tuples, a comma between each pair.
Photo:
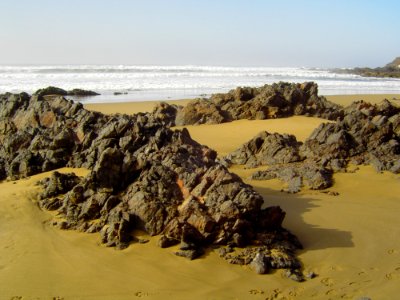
[(179, 82)]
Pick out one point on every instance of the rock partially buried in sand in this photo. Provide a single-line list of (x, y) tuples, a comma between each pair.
[(142, 176), (267, 102), (267, 149), (366, 134)]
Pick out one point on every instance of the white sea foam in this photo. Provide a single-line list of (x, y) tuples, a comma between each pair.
[(163, 82)]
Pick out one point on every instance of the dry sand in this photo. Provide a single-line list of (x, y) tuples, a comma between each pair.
[(351, 241)]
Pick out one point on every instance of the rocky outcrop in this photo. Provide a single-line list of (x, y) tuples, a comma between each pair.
[(298, 175), (201, 111), (266, 102), (52, 91), (40, 135), (267, 149), (142, 176), (391, 70), (366, 134), (82, 93)]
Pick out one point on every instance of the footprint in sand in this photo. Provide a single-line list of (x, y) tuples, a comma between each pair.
[(393, 275), (256, 292), (327, 282), (141, 294), (330, 292), (361, 273), (294, 292), (275, 294)]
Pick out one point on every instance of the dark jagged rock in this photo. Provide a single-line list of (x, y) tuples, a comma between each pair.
[(297, 175), (142, 176), (82, 93), (201, 111), (366, 134), (58, 183), (267, 149), (266, 102), (50, 90), (166, 113)]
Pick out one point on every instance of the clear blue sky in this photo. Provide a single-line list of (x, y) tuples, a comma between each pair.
[(314, 33)]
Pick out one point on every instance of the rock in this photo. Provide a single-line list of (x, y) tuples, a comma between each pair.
[(259, 264), (166, 113), (3, 173), (295, 275), (269, 101), (200, 112), (165, 242), (50, 90), (311, 275), (267, 149), (298, 174), (190, 254), (142, 176), (58, 184), (82, 93)]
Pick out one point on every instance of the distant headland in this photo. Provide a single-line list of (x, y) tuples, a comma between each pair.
[(389, 70)]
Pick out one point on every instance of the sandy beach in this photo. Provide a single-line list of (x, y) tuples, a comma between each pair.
[(350, 240)]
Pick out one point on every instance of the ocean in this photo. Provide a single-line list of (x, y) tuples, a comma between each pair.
[(136, 83)]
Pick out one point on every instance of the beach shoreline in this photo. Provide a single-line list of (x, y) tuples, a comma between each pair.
[(131, 107), (350, 239)]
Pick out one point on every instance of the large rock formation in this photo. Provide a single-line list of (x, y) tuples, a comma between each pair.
[(142, 176), (366, 134), (266, 102)]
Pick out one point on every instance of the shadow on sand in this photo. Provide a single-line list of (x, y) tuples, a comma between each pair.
[(312, 236)]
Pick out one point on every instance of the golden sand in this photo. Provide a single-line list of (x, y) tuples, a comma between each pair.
[(351, 241)]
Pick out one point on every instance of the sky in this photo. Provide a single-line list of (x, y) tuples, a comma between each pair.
[(284, 33)]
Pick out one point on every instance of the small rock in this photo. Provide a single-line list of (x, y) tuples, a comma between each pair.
[(165, 242), (311, 275), (259, 264), (294, 274), (190, 254)]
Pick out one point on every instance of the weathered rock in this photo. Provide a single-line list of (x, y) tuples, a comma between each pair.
[(190, 253), (298, 174), (58, 184), (259, 264), (80, 92), (142, 176), (166, 113), (269, 101), (295, 275), (200, 111), (50, 90), (267, 149)]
